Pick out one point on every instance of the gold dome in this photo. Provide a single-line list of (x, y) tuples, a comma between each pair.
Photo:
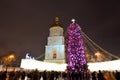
[(56, 23)]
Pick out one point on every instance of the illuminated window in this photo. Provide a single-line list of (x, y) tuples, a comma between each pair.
[(54, 54), (55, 40), (55, 31)]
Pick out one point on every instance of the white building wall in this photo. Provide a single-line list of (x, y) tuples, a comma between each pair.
[(55, 45)]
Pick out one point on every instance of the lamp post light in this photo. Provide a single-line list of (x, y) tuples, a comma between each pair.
[(99, 56), (9, 59)]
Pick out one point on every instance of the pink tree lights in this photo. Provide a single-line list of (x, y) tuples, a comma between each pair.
[(76, 57)]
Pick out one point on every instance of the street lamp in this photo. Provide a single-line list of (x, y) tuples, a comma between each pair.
[(11, 57), (99, 56)]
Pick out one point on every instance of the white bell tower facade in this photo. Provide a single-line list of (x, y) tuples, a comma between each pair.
[(55, 48)]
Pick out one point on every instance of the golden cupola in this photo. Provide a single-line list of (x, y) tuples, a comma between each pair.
[(56, 29)]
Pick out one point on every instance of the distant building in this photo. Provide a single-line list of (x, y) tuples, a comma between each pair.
[(55, 48)]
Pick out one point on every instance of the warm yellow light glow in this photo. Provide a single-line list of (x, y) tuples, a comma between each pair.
[(11, 56), (55, 32), (98, 54)]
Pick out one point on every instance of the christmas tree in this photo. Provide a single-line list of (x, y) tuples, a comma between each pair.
[(76, 57)]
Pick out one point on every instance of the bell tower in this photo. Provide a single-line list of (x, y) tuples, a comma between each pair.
[(55, 48)]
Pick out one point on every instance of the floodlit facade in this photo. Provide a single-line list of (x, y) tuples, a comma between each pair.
[(55, 48)]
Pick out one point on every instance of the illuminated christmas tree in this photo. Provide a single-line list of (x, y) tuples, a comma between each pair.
[(75, 51)]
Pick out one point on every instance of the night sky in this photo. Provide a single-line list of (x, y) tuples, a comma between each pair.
[(24, 24)]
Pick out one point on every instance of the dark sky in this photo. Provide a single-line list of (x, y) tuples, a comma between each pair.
[(24, 24)]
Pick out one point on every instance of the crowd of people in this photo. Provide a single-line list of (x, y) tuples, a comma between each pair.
[(54, 75)]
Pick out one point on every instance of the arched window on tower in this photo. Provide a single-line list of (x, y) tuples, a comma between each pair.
[(54, 53), (55, 40), (55, 32)]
